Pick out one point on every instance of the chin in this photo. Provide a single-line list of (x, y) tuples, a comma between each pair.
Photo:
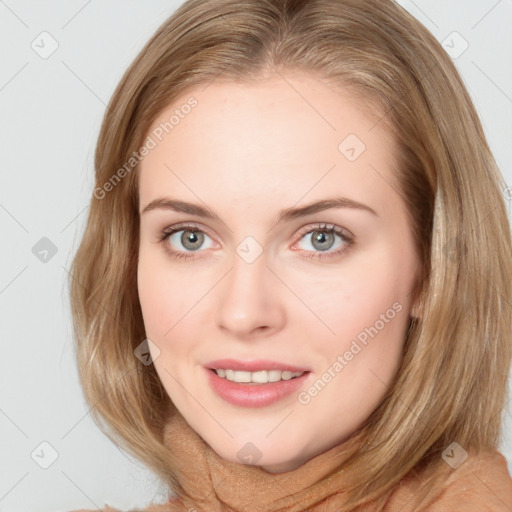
[(249, 455), (281, 467)]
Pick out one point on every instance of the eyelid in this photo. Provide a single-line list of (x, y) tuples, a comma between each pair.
[(347, 238), (185, 226), (324, 226)]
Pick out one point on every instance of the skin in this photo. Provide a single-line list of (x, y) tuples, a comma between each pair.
[(247, 152)]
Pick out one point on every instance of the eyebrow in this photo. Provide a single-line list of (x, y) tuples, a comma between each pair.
[(167, 203)]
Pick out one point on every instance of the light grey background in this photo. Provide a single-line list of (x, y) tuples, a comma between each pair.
[(51, 110)]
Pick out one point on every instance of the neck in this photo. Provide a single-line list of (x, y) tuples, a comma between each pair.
[(213, 483)]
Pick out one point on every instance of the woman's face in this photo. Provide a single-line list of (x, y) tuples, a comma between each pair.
[(255, 274)]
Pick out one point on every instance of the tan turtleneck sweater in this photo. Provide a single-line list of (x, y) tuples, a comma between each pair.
[(481, 484)]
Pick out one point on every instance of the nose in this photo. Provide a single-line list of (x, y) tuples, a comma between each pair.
[(249, 302)]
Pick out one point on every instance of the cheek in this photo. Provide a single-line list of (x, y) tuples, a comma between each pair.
[(169, 295), (355, 296), (157, 293), (361, 311)]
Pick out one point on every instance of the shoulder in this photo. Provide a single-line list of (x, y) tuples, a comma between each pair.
[(481, 483)]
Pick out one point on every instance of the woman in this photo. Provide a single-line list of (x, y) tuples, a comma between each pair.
[(294, 287)]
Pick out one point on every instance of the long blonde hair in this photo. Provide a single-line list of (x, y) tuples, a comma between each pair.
[(452, 382)]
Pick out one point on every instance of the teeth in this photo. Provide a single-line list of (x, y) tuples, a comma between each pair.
[(261, 377)]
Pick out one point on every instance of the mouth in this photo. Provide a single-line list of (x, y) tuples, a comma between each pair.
[(258, 377), (259, 371), (260, 388)]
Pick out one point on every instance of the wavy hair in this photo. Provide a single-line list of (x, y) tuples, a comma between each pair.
[(452, 382)]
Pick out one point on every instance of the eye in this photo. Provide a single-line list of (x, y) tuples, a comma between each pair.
[(190, 237), (322, 238)]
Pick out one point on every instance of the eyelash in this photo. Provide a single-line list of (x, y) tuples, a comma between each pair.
[(323, 228)]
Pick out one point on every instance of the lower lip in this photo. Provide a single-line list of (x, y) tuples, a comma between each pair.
[(254, 395)]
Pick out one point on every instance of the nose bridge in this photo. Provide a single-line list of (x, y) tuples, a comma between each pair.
[(246, 301), (248, 276)]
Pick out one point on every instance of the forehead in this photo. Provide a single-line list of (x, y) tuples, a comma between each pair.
[(279, 139)]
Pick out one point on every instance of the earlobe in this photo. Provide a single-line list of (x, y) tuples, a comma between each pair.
[(416, 310)]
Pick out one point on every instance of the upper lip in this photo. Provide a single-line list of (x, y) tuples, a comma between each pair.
[(252, 366)]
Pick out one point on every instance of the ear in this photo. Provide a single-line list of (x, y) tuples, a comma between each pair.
[(416, 310)]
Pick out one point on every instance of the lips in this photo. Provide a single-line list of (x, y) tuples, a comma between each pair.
[(254, 365), (254, 395)]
